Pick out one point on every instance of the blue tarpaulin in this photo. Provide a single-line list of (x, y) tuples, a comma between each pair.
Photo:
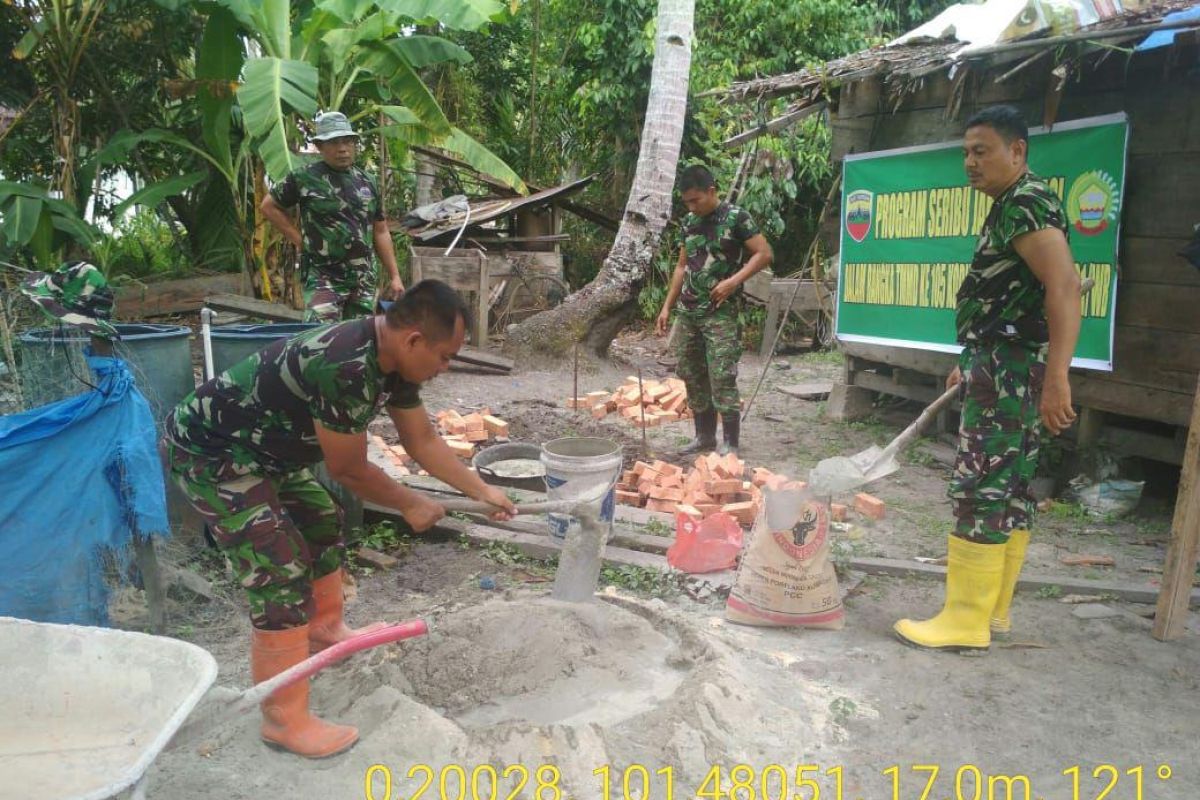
[(80, 478), (1164, 38)]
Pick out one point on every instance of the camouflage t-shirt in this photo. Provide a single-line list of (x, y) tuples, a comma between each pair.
[(1001, 298), (715, 246), (258, 415), (337, 211)]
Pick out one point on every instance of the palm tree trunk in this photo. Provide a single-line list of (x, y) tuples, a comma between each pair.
[(594, 314)]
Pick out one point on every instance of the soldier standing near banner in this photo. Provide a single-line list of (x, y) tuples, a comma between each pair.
[(341, 217), (1018, 319), (707, 282)]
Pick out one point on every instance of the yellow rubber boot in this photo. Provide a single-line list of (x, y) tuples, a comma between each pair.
[(1014, 558), (286, 721), (973, 573)]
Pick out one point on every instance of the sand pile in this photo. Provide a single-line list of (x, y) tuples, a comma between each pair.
[(528, 681)]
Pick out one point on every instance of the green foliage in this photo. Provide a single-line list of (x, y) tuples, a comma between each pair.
[(642, 580), (142, 246), (657, 527), (384, 537), (1050, 592)]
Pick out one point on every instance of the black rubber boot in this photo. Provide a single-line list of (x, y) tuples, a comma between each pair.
[(706, 434), (731, 432)]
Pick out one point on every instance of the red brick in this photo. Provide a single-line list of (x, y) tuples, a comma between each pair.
[(839, 512), (629, 476), (665, 506), (760, 476), (474, 422), (708, 509), (495, 426), (671, 482), (597, 397), (477, 436), (869, 506), (688, 510), (663, 493), (463, 450), (742, 512), (629, 498), (599, 411), (638, 466), (726, 486)]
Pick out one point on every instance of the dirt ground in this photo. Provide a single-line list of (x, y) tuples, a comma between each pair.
[(511, 679)]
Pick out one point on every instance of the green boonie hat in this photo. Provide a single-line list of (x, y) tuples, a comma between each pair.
[(77, 294), (332, 125)]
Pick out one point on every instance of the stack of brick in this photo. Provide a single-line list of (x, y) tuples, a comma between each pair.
[(657, 402), (714, 483), (461, 433)]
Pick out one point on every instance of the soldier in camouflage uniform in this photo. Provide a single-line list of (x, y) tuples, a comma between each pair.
[(1018, 319), (341, 217), (241, 448), (707, 283)]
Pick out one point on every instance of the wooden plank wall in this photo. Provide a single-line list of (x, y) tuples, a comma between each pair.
[(139, 301), (1157, 343)]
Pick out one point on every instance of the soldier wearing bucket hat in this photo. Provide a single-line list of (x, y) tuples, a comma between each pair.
[(341, 226), (75, 294)]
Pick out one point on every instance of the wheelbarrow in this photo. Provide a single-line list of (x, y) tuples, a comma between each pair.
[(86, 710)]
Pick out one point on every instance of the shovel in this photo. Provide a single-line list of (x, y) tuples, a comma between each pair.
[(843, 473)]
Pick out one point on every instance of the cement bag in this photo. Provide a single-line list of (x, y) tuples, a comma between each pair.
[(785, 577), (708, 545)]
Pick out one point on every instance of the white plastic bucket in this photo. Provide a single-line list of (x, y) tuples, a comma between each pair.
[(581, 469)]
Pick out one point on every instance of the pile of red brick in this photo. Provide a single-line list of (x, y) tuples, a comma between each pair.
[(714, 483), (717, 483), (460, 432), (656, 402)]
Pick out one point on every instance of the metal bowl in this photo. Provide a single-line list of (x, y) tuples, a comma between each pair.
[(506, 452)]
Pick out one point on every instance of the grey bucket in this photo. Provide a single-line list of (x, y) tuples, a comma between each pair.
[(581, 468), (233, 343), (159, 356)]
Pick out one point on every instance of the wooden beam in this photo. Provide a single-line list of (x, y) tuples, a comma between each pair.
[(1128, 592), (1180, 569), (775, 125), (250, 306)]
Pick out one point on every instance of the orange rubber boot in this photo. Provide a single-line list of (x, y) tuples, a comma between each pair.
[(327, 625), (286, 721)]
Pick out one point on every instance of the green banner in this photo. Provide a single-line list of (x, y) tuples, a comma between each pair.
[(910, 222)]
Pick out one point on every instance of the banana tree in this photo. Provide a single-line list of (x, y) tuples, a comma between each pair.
[(342, 49), (57, 35)]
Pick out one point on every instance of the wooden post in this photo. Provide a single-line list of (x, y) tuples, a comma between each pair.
[(481, 321), (147, 564), (1180, 568)]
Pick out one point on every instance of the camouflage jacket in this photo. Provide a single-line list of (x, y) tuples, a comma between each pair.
[(258, 415), (715, 247), (1001, 298), (337, 211)]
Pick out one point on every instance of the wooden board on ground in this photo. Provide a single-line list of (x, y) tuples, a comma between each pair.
[(253, 307), (484, 358), (549, 547), (807, 391), (139, 301), (1122, 591)]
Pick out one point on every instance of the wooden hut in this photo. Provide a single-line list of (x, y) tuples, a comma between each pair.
[(915, 94)]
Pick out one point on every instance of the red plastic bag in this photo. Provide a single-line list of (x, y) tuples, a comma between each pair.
[(710, 545)]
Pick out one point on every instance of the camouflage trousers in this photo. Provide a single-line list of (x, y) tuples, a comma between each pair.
[(280, 532), (997, 440), (331, 298), (708, 349)]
